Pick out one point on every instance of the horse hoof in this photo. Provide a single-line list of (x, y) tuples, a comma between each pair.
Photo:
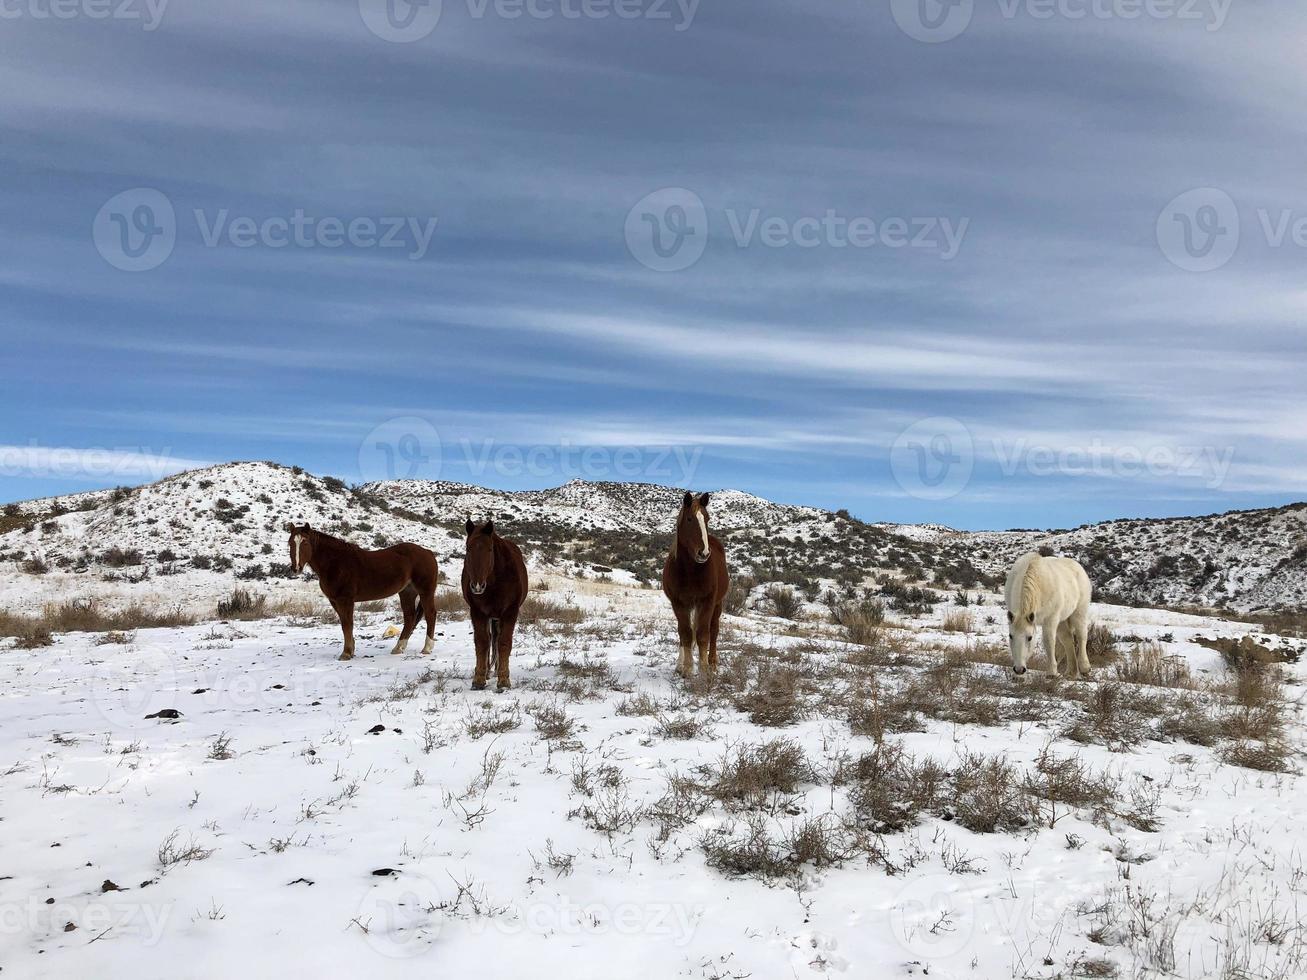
[(501, 688), (478, 685), (346, 656)]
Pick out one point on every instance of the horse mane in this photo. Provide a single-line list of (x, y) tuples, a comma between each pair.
[(322, 537), (1028, 594)]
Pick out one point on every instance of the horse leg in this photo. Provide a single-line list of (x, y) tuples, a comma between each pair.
[(685, 662), (1050, 645), (345, 610), (503, 650), (408, 601), (1066, 642), (703, 634), (481, 637), (716, 623), (427, 606), (1080, 629)]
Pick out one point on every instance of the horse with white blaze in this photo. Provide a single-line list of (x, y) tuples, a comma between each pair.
[(1052, 594)]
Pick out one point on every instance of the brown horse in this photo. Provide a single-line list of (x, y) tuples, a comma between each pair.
[(495, 586), (349, 574), (696, 581)]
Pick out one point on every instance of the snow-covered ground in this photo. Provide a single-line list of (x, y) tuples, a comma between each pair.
[(363, 819)]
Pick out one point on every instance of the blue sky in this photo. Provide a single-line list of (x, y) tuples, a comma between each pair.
[(1032, 270)]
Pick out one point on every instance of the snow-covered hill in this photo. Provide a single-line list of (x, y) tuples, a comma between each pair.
[(584, 506), (229, 518)]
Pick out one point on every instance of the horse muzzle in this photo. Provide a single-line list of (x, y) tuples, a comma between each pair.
[(702, 557), (478, 589), (1018, 670)]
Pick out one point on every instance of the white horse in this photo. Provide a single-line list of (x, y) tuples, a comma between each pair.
[(1053, 594)]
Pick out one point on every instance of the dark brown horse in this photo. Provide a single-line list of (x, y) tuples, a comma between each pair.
[(495, 586), (696, 582), (349, 574)]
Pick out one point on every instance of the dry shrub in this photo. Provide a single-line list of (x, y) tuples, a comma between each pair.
[(758, 777), (889, 789), (1190, 719), (785, 602), (737, 596), (774, 698), (1100, 645), (877, 646), (537, 610), (33, 638), (1116, 715), (753, 854), (450, 603), (492, 719), (88, 616), (820, 841), (682, 726), (861, 619), (1148, 663), (639, 704), (1057, 785), (875, 712), (958, 621), (609, 809), (951, 691), (1256, 721), (552, 720), (1244, 654), (242, 604), (988, 795)]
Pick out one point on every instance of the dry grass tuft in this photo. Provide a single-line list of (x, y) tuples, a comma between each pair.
[(774, 698), (1149, 664), (958, 621), (88, 616), (759, 777), (537, 609)]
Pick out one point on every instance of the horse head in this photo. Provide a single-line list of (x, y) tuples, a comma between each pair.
[(692, 527), (479, 563), (1021, 634), (301, 545)]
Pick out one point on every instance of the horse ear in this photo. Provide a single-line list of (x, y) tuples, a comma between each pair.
[(490, 526), (703, 499), (689, 499), (470, 526), (288, 527)]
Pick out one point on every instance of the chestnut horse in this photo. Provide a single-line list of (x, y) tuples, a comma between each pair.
[(696, 581), (349, 574), (495, 586)]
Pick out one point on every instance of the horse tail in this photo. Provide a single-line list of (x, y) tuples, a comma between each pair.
[(417, 616), (494, 645)]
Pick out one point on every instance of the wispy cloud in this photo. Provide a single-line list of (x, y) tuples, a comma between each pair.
[(1059, 324)]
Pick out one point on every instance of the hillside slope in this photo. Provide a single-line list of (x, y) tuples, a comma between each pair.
[(230, 517)]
